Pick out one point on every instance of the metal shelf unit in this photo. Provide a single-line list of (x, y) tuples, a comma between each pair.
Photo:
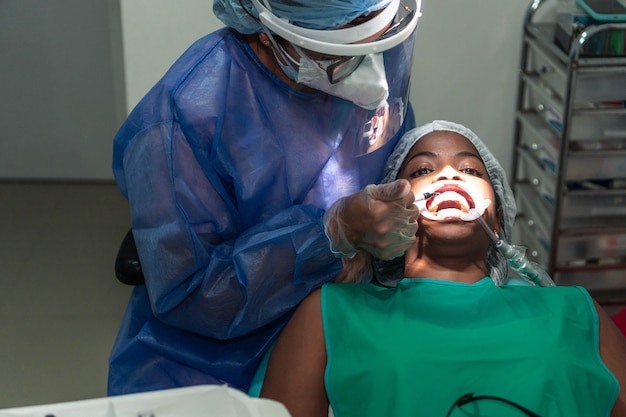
[(570, 158)]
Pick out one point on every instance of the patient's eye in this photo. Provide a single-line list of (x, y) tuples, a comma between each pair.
[(420, 171), (472, 171)]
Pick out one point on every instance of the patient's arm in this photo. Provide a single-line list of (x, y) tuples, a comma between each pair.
[(295, 372), (613, 352)]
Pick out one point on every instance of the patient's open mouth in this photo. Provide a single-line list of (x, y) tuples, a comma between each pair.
[(452, 200), (450, 197)]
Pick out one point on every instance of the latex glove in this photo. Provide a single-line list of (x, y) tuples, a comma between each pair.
[(356, 269), (380, 219)]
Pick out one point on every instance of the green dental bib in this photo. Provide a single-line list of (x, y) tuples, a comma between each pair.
[(415, 349)]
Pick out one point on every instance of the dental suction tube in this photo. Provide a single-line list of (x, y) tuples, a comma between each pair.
[(516, 258)]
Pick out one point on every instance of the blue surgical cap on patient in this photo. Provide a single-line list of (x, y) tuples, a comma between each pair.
[(311, 14), (505, 200)]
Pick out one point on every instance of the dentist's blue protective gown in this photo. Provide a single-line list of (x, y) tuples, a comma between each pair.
[(228, 172)]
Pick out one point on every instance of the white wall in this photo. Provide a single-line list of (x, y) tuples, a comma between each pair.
[(60, 88), (465, 63), (155, 33), (465, 67)]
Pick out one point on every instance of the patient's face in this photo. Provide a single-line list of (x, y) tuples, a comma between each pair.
[(448, 156)]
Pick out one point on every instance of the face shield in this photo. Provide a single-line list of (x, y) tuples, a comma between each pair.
[(338, 67), (368, 64), (397, 22)]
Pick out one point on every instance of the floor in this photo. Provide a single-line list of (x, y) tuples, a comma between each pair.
[(60, 303)]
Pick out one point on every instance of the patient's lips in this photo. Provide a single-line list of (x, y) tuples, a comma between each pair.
[(453, 200), (450, 196)]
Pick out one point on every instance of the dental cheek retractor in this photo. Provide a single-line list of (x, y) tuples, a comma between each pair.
[(445, 200)]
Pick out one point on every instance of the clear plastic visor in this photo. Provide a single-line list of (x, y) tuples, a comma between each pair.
[(336, 68), (397, 22)]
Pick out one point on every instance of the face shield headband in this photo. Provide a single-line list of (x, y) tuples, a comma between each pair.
[(341, 42)]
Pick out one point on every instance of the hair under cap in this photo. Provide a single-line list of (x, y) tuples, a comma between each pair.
[(505, 200), (310, 14)]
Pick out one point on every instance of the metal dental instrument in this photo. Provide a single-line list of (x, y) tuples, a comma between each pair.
[(516, 257), (425, 196)]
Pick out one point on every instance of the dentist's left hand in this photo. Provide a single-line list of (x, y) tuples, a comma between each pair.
[(380, 219)]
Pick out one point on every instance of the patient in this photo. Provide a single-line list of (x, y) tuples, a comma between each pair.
[(455, 337)]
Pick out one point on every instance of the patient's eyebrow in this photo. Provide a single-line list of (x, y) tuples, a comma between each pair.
[(468, 154), (424, 153), (430, 154)]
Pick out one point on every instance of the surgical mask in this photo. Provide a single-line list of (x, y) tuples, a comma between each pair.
[(366, 86)]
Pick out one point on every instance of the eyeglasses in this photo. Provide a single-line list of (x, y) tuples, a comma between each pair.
[(469, 398), (338, 69), (341, 68)]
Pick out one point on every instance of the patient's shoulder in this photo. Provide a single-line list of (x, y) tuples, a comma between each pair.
[(307, 317)]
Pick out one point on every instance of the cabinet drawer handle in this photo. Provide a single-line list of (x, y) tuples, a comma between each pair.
[(614, 133), (535, 181)]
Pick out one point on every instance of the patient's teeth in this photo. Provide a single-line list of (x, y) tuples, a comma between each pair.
[(454, 199)]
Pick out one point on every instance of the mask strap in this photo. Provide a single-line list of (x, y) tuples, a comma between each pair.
[(284, 54)]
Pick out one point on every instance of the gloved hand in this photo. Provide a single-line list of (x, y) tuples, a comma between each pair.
[(380, 219), (356, 269)]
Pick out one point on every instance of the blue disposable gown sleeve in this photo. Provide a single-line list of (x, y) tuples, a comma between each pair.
[(208, 270)]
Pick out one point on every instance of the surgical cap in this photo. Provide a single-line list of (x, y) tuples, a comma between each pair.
[(310, 14), (505, 200)]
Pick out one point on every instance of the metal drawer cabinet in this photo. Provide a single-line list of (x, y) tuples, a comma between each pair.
[(538, 139), (601, 164), (533, 172), (535, 233), (586, 208), (604, 246), (547, 66), (597, 79), (537, 212), (601, 124), (569, 174), (606, 283), (527, 237), (543, 101)]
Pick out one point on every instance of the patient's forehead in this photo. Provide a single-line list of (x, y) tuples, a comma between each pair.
[(443, 142)]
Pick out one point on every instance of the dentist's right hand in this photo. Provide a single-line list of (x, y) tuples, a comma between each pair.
[(379, 219)]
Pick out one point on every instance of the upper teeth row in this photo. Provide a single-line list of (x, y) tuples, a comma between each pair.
[(481, 203)]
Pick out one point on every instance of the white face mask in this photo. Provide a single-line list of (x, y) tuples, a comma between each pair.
[(366, 87)]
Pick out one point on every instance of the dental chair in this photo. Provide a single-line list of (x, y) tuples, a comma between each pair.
[(127, 266)]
